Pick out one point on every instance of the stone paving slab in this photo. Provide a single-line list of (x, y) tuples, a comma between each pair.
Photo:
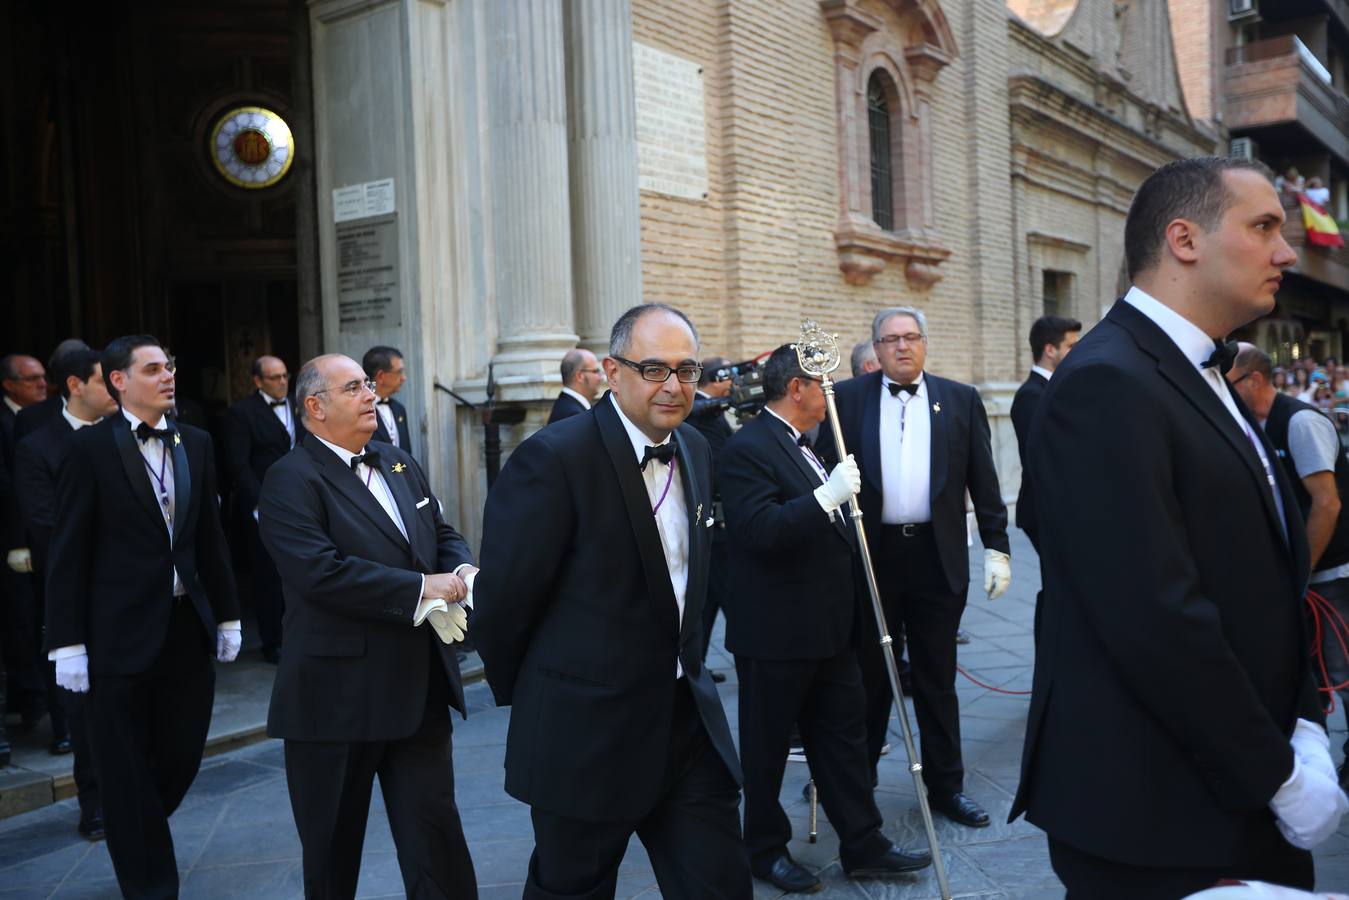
[(235, 837)]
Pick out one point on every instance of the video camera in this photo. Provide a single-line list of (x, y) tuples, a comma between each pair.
[(746, 396)]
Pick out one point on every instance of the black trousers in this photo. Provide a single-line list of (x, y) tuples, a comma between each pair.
[(1089, 877), (147, 733), (692, 835), (917, 600), (21, 636), (330, 785), (825, 697), (716, 584), (86, 771), (268, 600)]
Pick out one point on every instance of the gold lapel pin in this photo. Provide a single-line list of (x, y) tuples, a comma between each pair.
[(936, 407), (399, 467), (176, 439), (699, 513)]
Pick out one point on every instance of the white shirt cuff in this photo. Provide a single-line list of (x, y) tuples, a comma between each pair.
[(468, 582), (231, 625), (67, 652)]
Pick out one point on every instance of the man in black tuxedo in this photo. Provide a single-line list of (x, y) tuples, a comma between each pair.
[(384, 366), (37, 471), (24, 385), (922, 443), (709, 417), (616, 726), (1051, 337), (262, 428), (31, 418), (363, 688), (790, 625), (581, 377), (140, 600), (1174, 737)]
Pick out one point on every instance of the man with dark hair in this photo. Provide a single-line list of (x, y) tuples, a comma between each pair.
[(31, 418), (709, 417), (384, 366), (616, 727), (790, 626), (262, 428), (140, 601), (581, 377), (78, 377), (363, 689), (1051, 337), (922, 442), (1306, 440), (1175, 738)]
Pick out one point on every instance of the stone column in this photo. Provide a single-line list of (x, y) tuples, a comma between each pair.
[(531, 217), (602, 151)]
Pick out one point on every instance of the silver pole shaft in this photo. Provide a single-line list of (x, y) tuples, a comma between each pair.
[(891, 669)]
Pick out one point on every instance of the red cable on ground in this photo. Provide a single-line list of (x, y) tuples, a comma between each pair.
[(1334, 622), (961, 670)]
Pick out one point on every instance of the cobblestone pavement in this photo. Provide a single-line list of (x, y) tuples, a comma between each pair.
[(235, 836)]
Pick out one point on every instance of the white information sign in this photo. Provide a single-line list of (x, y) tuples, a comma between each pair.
[(671, 123)]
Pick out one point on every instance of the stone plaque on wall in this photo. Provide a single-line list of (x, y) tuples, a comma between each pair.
[(367, 275), (671, 124)]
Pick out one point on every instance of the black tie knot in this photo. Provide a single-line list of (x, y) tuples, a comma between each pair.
[(281, 402), (804, 441), (910, 389), (383, 402), (145, 432), (369, 457), (1222, 356), (664, 453)]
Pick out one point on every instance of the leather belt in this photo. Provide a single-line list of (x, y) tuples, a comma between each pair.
[(909, 529)]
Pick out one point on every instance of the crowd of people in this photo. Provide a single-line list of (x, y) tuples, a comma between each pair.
[(1176, 735)]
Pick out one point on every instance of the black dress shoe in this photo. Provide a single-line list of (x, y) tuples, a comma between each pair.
[(894, 861), (271, 655), (717, 677), (960, 808), (787, 876), (60, 746), (91, 829)]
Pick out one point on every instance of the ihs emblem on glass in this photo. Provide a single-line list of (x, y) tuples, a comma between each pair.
[(252, 147)]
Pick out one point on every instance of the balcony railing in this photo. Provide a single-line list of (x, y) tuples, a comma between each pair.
[(1329, 266), (1279, 82)]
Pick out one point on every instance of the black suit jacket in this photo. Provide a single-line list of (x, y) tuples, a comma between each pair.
[(355, 668), (565, 406), (110, 572), (790, 592), (11, 529), (577, 623), (1172, 661), (37, 470), (31, 418), (961, 460), (400, 418), (1024, 404), (256, 439)]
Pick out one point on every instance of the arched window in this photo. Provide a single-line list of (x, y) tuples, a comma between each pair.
[(882, 169)]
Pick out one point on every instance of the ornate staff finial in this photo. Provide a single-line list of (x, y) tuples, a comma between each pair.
[(817, 349)]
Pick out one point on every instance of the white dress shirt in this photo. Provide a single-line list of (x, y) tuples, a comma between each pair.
[(1042, 372), (1197, 348), (578, 396), (815, 465), (906, 455), (283, 414), (13, 407), (672, 518), (385, 412), (75, 423)]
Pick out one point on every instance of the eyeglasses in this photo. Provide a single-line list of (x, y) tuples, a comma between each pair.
[(591, 371), (659, 372), (30, 379), (351, 388), (1236, 381), (901, 339), (281, 377)]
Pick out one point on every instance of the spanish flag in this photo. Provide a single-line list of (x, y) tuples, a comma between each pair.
[(1321, 228)]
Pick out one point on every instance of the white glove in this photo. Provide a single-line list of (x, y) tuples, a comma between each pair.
[(1312, 746), (1308, 807), (20, 560), (997, 573), (227, 643), (72, 673), (451, 624), (843, 482)]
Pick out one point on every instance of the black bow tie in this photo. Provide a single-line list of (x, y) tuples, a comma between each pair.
[(910, 389), (664, 453), (1222, 356), (804, 441), (281, 402), (369, 457), (384, 402), (145, 432)]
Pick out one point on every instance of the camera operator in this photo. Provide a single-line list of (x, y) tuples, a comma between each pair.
[(790, 626), (709, 417)]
